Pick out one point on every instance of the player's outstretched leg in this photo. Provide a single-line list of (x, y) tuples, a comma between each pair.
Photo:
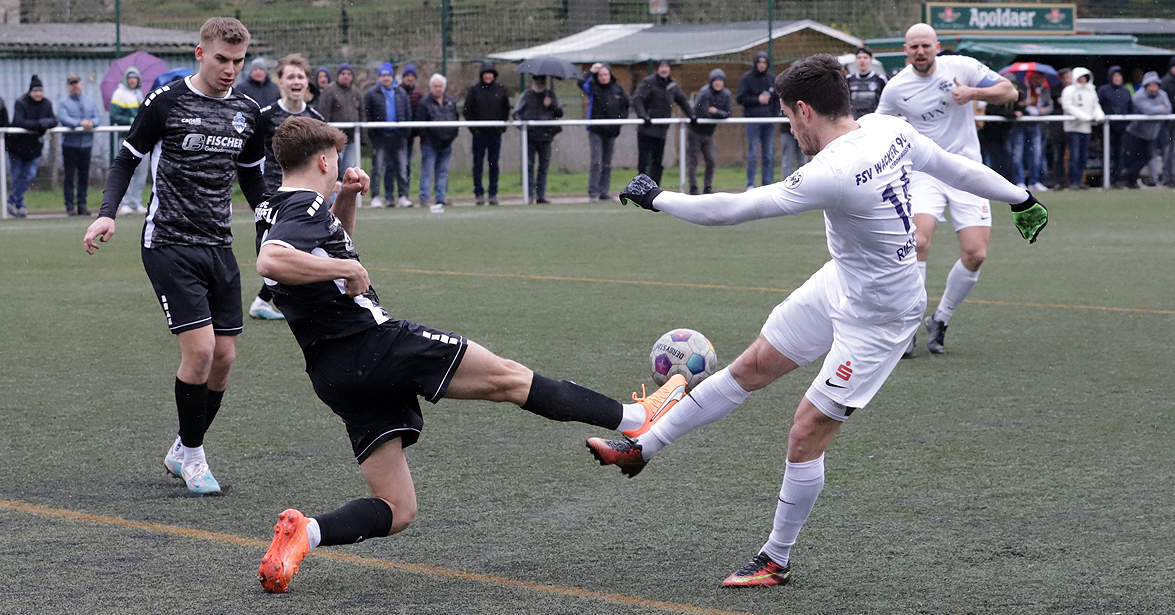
[(625, 453)]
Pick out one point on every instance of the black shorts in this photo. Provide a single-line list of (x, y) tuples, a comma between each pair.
[(197, 286), (372, 379)]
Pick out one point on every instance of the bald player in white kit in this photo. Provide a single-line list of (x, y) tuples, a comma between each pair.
[(859, 310), (935, 94)]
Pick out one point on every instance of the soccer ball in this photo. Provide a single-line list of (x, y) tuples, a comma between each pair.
[(685, 352)]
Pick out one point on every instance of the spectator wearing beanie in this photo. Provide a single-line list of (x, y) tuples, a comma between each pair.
[(34, 113), (654, 98), (605, 101), (714, 101), (386, 101), (257, 84)]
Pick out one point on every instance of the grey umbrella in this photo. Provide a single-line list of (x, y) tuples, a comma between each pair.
[(549, 66)]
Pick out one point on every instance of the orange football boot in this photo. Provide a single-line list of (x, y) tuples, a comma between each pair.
[(761, 571), (657, 404), (290, 546)]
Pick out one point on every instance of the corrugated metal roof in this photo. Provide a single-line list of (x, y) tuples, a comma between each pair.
[(629, 44), (1126, 25), (91, 35)]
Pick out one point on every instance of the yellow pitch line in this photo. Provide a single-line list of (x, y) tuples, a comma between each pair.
[(558, 278), (337, 556)]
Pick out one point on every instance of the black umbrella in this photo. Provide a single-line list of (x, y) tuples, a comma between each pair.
[(549, 66)]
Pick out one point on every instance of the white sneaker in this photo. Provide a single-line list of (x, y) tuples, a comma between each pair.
[(1039, 187), (199, 478), (377, 202), (1021, 185), (404, 202), (139, 209), (125, 210), (438, 208)]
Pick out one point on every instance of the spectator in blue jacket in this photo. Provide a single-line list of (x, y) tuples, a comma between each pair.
[(35, 114), (606, 101), (1114, 97), (386, 101), (77, 111)]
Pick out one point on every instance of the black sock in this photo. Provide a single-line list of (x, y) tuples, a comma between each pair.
[(354, 521), (563, 400), (191, 400), (214, 399), (265, 294)]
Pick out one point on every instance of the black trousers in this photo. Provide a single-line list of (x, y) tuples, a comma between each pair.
[(77, 176), (650, 150)]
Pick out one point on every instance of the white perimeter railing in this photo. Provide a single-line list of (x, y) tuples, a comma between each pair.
[(683, 124)]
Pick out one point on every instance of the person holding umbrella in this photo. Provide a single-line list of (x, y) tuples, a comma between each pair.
[(539, 103)]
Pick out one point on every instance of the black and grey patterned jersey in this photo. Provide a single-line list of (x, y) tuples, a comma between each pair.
[(196, 143), (299, 219), (865, 93), (272, 117)]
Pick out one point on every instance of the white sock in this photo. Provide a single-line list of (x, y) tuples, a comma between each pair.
[(959, 284), (716, 397), (802, 483), (177, 450), (922, 270), (634, 417), (259, 303), (313, 533), (194, 455)]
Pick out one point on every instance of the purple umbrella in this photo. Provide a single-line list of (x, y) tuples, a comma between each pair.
[(149, 67)]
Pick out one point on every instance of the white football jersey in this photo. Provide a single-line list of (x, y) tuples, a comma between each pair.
[(861, 181), (926, 102)]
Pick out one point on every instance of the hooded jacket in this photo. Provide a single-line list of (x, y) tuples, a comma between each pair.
[(125, 102), (1114, 99), (487, 101), (708, 97), (1080, 101), (654, 97), (754, 83), (33, 116), (605, 102), (1167, 83), (1146, 104)]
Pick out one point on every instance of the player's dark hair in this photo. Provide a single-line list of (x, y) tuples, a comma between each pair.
[(864, 50), (819, 81), (294, 59), (225, 29), (299, 139)]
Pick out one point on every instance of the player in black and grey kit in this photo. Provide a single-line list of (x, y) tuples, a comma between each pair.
[(865, 85), (370, 368), (293, 83), (200, 135)]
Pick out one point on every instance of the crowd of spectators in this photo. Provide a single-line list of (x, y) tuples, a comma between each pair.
[(1036, 155)]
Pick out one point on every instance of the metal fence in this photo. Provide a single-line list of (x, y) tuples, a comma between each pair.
[(682, 124)]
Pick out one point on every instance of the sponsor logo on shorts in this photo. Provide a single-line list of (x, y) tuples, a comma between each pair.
[(844, 371), (832, 384)]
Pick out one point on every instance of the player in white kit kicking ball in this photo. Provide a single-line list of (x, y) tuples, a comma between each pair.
[(859, 310), (935, 94)]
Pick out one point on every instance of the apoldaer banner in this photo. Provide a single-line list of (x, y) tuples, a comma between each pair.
[(999, 18)]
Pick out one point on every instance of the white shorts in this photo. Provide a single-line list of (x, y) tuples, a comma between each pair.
[(929, 195), (860, 356)]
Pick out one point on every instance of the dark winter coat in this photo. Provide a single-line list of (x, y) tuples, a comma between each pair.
[(1114, 99), (377, 111), (33, 116), (605, 102), (754, 83), (707, 97), (654, 97), (432, 111), (3, 114), (487, 101), (530, 107), (264, 93)]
